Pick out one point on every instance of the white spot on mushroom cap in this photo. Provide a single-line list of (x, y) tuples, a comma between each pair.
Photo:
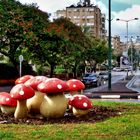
[(59, 86), (21, 92), (85, 104), (80, 98), (41, 86), (74, 85), (7, 99), (21, 78), (74, 80)]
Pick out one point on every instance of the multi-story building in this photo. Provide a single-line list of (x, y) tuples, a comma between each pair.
[(86, 15), (137, 44), (117, 46)]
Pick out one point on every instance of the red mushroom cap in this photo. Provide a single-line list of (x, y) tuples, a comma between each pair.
[(33, 82), (75, 85), (21, 92), (23, 79), (5, 99), (52, 85), (80, 102)]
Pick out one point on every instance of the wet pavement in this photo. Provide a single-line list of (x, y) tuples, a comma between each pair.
[(118, 91), (6, 88)]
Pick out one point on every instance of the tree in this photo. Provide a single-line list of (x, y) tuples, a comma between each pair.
[(96, 53), (19, 26), (76, 47), (133, 54), (51, 47)]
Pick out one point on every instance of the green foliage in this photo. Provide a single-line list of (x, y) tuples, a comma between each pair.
[(26, 30), (8, 71), (59, 70), (20, 24), (97, 52), (6, 135)]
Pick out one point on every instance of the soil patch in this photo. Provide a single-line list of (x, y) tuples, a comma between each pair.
[(96, 114)]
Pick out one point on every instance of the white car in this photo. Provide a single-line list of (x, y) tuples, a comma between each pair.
[(117, 69)]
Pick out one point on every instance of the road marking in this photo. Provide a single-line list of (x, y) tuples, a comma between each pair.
[(110, 96)]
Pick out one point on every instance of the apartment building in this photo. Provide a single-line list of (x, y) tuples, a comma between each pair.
[(117, 46), (86, 15)]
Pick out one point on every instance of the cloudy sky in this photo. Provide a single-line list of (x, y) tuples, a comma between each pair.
[(123, 9)]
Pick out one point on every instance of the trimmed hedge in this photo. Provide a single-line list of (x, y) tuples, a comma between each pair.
[(8, 71), (4, 82)]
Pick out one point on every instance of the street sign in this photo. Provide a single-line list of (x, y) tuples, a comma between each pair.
[(21, 58)]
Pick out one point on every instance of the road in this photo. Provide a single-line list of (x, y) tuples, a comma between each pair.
[(116, 76), (134, 84)]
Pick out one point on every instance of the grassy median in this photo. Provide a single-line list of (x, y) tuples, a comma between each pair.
[(125, 126)]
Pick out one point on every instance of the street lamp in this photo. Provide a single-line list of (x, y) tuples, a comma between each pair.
[(131, 55), (127, 21)]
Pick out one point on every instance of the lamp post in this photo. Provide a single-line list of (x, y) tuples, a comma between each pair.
[(127, 21), (109, 43), (131, 55)]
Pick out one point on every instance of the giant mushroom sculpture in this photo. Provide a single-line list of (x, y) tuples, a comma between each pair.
[(21, 93), (33, 104), (75, 85), (7, 104), (81, 105), (55, 103), (23, 79)]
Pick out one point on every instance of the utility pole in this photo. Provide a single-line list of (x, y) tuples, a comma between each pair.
[(110, 48)]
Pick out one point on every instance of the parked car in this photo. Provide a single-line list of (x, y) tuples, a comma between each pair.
[(117, 69), (91, 80), (104, 75)]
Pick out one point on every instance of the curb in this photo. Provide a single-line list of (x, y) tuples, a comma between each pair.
[(108, 96), (114, 96)]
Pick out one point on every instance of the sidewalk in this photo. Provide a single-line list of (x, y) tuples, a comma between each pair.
[(5, 88), (118, 91)]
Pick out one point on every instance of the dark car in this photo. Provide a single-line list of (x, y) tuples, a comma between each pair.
[(91, 80)]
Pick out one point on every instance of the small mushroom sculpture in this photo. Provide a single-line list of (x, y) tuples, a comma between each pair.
[(81, 105), (23, 79), (55, 103), (21, 93), (75, 85), (33, 104), (7, 104)]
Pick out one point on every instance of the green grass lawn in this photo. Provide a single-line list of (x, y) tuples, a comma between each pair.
[(123, 127)]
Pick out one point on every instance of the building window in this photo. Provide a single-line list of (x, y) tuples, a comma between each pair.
[(78, 10), (91, 9), (83, 10)]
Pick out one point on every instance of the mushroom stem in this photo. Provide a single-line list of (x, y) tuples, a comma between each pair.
[(79, 112), (33, 104), (7, 109), (54, 106), (73, 93), (21, 110), (82, 91)]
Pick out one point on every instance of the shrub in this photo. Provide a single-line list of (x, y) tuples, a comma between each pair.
[(8, 71)]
